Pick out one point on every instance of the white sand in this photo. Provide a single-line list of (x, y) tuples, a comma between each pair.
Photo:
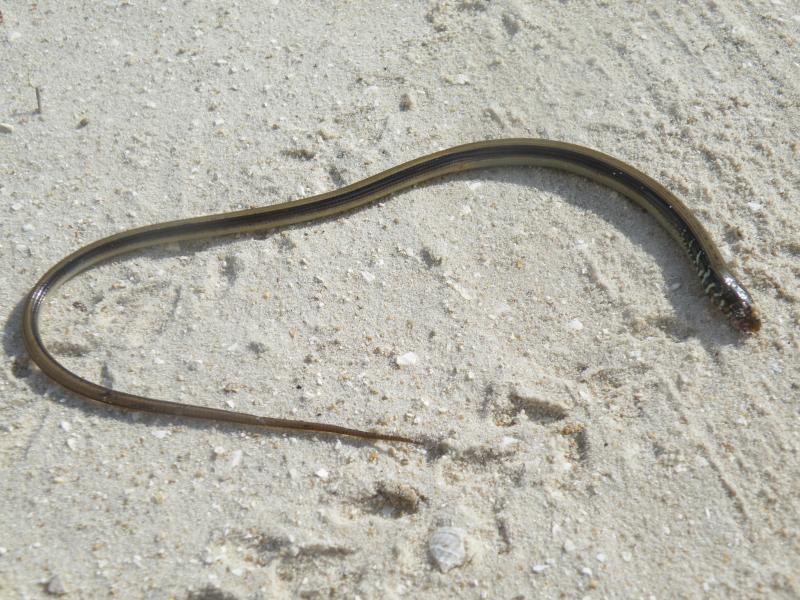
[(607, 434)]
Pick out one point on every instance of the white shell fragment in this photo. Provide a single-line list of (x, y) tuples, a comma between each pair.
[(407, 360), (575, 325), (236, 459), (541, 568), (447, 549)]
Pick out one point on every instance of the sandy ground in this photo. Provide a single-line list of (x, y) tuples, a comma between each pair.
[(605, 433)]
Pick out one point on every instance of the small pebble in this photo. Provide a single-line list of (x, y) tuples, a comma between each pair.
[(236, 459), (82, 123), (55, 586), (322, 474), (575, 325), (507, 442), (494, 114), (327, 134), (434, 254), (539, 568), (447, 549), (407, 102), (399, 496), (6, 128), (408, 359)]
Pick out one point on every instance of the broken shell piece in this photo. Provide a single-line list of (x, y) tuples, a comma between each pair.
[(409, 359), (446, 547)]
